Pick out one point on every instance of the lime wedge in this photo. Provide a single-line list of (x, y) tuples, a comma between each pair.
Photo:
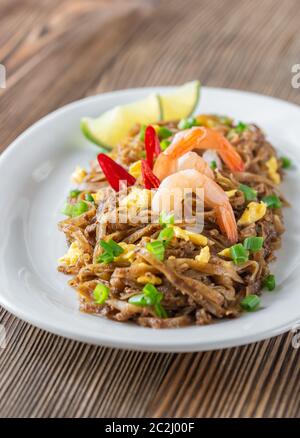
[(113, 125), (181, 102)]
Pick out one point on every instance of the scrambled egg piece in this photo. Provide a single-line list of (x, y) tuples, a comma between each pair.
[(253, 212), (204, 255), (149, 278), (97, 196), (136, 169), (225, 253), (138, 198), (197, 239), (128, 255), (78, 175), (272, 166), (71, 257), (231, 193)]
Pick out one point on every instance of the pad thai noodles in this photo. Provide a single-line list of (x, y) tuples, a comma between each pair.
[(162, 273)]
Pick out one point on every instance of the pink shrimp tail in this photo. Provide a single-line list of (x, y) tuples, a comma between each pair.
[(231, 157), (226, 221)]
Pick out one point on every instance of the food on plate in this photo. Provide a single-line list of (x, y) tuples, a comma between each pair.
[(134, 254)]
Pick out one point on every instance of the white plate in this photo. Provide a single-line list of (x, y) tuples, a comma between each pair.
[(34, 178)]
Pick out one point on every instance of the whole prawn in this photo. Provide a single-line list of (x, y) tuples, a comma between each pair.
[(214, 197)]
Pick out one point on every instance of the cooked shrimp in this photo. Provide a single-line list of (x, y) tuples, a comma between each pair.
[(165, 166), (205, 138), (173, 188)]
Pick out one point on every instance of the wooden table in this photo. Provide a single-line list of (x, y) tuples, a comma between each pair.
[(57, 51)]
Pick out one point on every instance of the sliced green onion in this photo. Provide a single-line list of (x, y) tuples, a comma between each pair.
[(187, 123), (150, 297), (74, 193), (138, 300), (157, 249), (272, 201), (249, 193), (253, 243), (79, 208), (142, 132), (241, 127), (164, 132), (166, 235), (116, 249), (89, 198), (160, 311), (270, 282), (67, 209), (166, 219), (101, 293), (106, 246), (239, 254), (111, 250), (151, 294), (250, 302), (105, 258), (213, 165), (164, 144), (111, 247), (286, 163)]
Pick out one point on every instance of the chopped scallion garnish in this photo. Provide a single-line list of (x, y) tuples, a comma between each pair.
[(116, 249), (166, 219), (286, 163), (101, 293), (166, 235), (79, 208), (249, 193), (241, 127), (270, 282), (152, 294), (160, 311), (157, 249), (111, 250), (89, 198), (250, 302), (253, 243), (138, 300), (272, 201), (67, 209), (187, 123), (163, 132), (73, 210), (150, 297), (164, 144), (74, 193), (142, 132), (239, 254), (213, 165)]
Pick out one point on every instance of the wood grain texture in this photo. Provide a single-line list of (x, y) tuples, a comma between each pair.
[(56, 51)]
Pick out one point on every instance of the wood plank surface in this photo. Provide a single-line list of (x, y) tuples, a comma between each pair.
[(56, 51)]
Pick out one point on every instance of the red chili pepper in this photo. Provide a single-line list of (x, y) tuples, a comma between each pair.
[(150, 180), (114, 172), (152, 145)]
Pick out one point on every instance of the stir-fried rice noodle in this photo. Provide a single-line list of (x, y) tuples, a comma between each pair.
[(194, 291)]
